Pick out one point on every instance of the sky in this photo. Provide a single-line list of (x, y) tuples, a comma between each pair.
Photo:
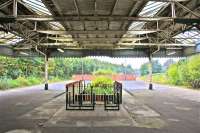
[(134, 62)]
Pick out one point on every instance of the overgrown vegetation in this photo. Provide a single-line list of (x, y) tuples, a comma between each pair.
[(102, 84), (186, 72), (17, 72), (19, 82), (160, 78)]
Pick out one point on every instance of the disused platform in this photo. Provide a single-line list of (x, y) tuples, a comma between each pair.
[(130, 114), (162, 110)]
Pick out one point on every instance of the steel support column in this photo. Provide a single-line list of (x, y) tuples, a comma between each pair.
[(150, 72), (45, 67), (173, 9), (46, 73), (15, 8)]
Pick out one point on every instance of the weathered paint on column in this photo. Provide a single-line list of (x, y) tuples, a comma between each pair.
[(173, 9), (150, 73), (15, 8), (46, 73)]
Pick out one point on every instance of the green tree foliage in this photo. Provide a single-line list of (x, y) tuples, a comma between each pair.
[(172, 73), (194, 67), (185, 72), (12, 68), (182, 72), (144, 69), (17, 69), (156, 67)]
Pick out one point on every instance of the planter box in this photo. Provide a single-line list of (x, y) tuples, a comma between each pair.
[(87, 97)]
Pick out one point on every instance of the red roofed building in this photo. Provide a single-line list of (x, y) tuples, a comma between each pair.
[(121, 77), (83, 77), (117, 77)]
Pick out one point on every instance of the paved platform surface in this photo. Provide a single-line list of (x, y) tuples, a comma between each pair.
[(163, 110)]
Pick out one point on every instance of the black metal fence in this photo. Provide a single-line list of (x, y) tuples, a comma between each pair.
[(77, 98)]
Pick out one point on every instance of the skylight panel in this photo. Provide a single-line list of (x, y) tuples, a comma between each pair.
[(37, 6), (136, 25), (40, 9), (192, 36), (149, 10), (152, 8), (56, 25), (9, 38), (14, 41)]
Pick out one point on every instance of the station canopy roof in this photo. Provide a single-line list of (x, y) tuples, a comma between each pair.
[(117, 28)]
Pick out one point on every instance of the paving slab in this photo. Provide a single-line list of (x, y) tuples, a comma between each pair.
[(163, 110), (132, 113)]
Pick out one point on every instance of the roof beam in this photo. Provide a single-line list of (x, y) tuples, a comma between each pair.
[(5, 4), (76, 6), (96, 39), (50, 18), (113, 8), (159, 44), (122, 44), (61, 32), (100, 38), (164, 0), (87, 18), (112, 52)]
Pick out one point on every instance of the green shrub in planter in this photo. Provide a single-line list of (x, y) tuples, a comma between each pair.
[(103, 72), (102, 84), (101, 81)]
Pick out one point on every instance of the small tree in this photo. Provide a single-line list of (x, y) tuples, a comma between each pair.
[(173, 75)]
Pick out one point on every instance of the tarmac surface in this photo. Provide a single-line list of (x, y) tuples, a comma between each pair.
[(163, 110)]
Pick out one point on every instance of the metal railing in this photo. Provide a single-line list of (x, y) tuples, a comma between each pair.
[(77, 98)]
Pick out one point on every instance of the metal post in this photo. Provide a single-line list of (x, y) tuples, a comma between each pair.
[(173, 9), (69, 102), (105, 101), (35, 26), (73, 93), (66, 97), (15, 8), (91, 95), (46, 73), (118, 100), (93, 100), (46, 66), (82, 69), (121, 93), (150, 72)]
